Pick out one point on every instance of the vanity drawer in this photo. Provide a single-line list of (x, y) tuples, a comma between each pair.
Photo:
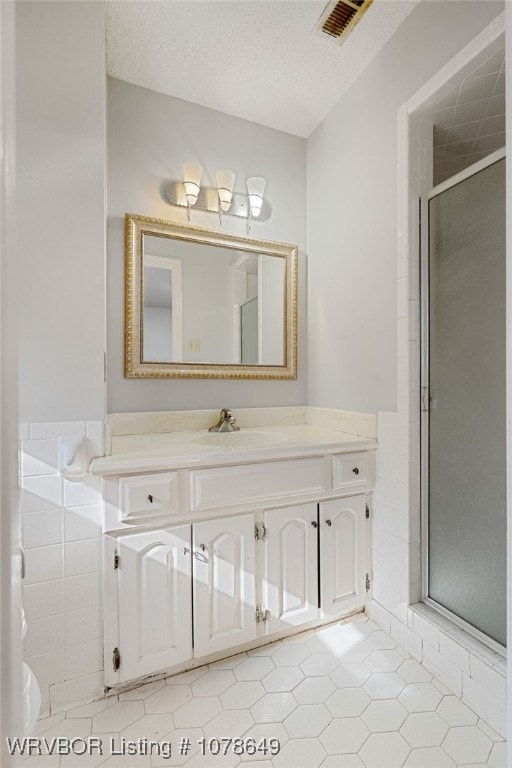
[(149, 495), (351, 469), (250, 483)]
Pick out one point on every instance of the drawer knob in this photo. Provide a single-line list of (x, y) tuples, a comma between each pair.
[(150, 498), (356, 470), (328, 522), (314, 524), (202, 547)]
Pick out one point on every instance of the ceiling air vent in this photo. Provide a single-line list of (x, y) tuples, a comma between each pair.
[(340, 17)]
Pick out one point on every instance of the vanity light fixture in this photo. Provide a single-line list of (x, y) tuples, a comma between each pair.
[(225, 181), (255, 189), (192, 173), (221, 197)]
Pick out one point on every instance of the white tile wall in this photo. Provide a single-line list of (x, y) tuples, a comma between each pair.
[(482, 686), (61, 528), (454, 652), (444, 669)]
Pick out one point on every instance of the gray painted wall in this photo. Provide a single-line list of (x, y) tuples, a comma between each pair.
[(352, 211), (150, 135), (60, 202)]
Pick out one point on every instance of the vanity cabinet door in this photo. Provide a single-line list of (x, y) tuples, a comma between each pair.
[(291, 566), (224, 555), (155, 599), (342, 555)]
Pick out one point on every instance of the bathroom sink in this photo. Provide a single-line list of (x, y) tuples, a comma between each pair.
[(242, 439)]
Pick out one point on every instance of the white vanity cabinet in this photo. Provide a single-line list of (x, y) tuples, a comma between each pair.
[(224, 583), (204, 561), (154, 595), (182, 593), (342, 555), (149, 496), (194, 590), (315, 562), (291, 577)]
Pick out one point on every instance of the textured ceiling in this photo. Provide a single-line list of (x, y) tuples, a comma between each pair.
[(260, 60)]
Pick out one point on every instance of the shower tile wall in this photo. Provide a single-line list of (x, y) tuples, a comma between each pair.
[(61, 534)]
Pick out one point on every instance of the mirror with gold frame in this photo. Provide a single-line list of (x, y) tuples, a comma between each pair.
[(204, 304)]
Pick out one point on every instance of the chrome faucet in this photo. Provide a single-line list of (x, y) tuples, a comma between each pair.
[(226, 423)]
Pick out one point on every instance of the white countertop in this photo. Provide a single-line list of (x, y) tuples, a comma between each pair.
[(160, 451)]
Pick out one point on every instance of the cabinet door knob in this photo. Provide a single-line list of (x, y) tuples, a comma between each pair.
[(356, 470), (150, 498), (202, 547), (328, 522), (314, 524)]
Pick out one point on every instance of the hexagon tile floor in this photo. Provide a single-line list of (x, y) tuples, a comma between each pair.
[(343, 696)]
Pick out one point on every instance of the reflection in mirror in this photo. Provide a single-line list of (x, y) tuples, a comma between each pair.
[(210, 304), (205, 304), (162, 309)]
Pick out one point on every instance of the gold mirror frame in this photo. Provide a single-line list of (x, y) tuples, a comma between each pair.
[(135, 229)]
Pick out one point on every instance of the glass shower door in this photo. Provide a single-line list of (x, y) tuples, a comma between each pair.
[(464, 420)]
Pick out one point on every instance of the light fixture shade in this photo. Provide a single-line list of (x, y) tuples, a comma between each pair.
[(192, 173), (256, 190), (225, 181)]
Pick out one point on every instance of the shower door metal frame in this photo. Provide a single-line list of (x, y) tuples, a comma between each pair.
[(481, 165)]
